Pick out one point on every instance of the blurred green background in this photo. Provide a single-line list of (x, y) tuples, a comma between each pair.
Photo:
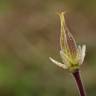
[(29, 34)]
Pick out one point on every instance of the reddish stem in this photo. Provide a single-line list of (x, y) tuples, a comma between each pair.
[(77, 77)]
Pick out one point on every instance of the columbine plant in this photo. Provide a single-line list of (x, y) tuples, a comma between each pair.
[(72, 55)]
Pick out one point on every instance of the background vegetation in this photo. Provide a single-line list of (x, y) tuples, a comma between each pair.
[(29, 34)]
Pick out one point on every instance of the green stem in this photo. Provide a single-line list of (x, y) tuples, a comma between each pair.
[(80, 86)]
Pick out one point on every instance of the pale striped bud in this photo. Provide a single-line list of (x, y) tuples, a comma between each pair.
[(72, 55)]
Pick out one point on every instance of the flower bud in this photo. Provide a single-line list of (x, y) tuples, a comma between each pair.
[(72, 55)]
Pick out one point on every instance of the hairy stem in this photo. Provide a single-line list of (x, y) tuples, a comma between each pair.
[(80, 86)]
